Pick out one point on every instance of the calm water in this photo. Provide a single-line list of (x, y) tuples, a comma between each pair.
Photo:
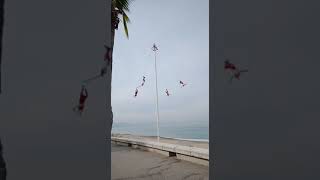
[(184, 130)]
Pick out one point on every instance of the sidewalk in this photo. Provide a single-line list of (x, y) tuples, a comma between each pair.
[(134, 164)]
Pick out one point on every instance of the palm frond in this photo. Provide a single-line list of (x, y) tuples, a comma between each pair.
[(122, 4), (121, 7), (125, 19)]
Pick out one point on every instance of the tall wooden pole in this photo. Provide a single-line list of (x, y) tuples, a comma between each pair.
[(154, 48)]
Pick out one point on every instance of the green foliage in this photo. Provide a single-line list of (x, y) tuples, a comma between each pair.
[(121, 8)]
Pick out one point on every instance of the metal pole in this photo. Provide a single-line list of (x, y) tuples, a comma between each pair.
[(154, 48)]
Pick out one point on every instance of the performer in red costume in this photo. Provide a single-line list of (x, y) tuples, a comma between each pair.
[(228, 65), (82, 100), (108, 55), (235, 71)]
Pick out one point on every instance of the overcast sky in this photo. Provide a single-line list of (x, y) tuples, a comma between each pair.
[(180, 29)]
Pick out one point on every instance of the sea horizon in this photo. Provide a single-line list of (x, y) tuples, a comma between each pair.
[(198, 131)]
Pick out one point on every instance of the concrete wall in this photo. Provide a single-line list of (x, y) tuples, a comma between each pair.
[(49, 47), (187, 153), (266, 125)]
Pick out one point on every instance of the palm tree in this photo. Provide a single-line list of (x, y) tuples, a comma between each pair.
[(119, 10)]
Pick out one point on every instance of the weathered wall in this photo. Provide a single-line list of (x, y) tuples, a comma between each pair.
[(49, 48), (266, 125)]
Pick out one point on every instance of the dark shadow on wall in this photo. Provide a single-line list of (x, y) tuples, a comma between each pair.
[(3, 170)]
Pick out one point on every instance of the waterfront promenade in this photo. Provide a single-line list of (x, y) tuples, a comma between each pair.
[(138, 164)]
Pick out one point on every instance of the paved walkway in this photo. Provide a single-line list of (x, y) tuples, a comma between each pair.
[(134, 164)]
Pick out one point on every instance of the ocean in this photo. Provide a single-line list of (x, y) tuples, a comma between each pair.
[(180, 130)]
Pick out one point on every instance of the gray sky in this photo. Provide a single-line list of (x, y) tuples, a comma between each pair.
[(181, 31)]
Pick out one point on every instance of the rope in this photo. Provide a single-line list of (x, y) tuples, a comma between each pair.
[(91, 79)]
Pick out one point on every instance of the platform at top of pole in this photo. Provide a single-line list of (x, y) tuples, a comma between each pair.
[(154, 47)]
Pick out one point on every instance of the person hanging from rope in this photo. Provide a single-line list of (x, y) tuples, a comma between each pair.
[(143, 80), (167, 92), (82, 100), (182, 83), (229, 66), (235, 71), (108, 55), (136, 93), (103, 71)]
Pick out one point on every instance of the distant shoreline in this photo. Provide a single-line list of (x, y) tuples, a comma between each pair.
[(200, 140), (176, 141), (183, 139)]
